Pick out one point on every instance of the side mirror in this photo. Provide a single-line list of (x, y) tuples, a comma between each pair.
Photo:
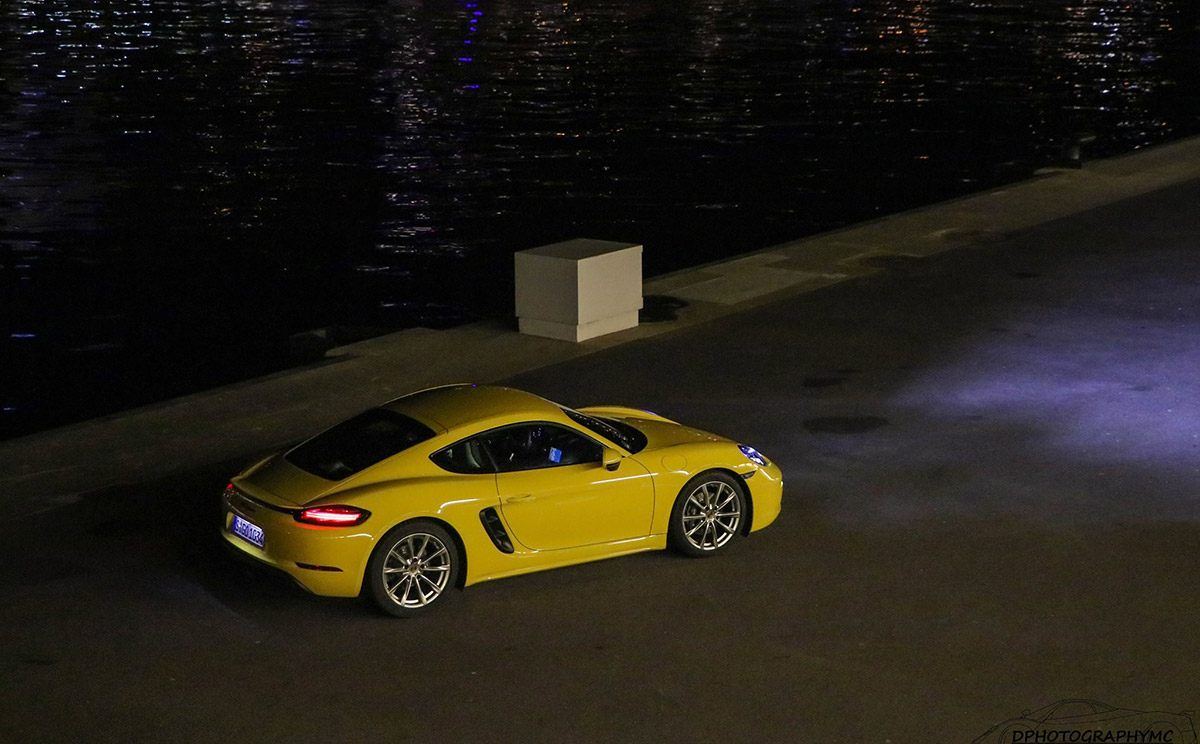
[(611, 459)]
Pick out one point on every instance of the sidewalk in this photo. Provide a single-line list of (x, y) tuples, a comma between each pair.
[(54, 467)]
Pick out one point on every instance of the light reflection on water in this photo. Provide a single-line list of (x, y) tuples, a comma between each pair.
[(186, 182)]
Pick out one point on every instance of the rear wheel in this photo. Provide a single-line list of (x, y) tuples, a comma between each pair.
[(414, 566), (707, 515)]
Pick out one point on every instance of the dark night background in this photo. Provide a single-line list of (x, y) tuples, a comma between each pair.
[(185, 184)]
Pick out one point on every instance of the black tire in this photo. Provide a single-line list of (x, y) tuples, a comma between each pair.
[(413, 567), (708, 514)]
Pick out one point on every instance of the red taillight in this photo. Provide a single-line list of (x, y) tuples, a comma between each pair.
[(333, 516)]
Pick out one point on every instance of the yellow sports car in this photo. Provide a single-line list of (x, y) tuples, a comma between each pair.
[(460, 484)]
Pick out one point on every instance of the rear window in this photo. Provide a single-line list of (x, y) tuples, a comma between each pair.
[(358, 443)]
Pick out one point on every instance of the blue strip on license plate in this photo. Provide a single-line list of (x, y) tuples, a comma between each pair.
[(248, 531)]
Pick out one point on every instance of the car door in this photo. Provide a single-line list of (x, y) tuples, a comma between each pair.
[(556, 493)]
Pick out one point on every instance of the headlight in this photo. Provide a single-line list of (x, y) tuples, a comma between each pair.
[(752, 455)]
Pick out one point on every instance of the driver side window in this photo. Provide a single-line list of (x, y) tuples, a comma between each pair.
[(532, 446)]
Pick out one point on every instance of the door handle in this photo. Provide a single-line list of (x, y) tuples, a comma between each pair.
[(519, 499)]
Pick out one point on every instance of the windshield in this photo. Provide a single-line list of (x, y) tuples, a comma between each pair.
[(358, 443), (611, 429)]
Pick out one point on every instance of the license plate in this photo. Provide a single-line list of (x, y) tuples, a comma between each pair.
[(248, 531)]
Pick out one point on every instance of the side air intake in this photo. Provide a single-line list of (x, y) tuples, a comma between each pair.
[(495, 529)]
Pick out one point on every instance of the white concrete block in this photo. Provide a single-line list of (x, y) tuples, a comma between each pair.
[(578, 289), (580, 331)]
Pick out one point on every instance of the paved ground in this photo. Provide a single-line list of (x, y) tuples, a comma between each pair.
[(993, 468)]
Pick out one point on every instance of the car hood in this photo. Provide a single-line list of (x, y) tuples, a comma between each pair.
[(661, 433)]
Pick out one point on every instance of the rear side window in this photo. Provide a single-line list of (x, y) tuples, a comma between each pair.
[(467, 456), (358, 443)]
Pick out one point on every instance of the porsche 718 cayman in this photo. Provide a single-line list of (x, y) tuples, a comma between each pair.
[(460, 484)]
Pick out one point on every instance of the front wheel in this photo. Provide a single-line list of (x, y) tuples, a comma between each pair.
[(707, 514), (412, 567)]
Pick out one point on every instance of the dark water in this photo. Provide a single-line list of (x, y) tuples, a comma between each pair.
[(185, 183)]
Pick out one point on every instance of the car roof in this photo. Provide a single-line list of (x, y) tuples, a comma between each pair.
[(474, 407)]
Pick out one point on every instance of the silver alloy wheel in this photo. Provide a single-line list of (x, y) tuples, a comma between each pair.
[(711, 515), (416, 570)]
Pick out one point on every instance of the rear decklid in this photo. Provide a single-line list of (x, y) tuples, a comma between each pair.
[(280, 483)]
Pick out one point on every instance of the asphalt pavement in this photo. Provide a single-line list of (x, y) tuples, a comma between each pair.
[(992, 502)]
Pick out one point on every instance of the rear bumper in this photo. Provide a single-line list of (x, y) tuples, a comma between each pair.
[(329, 561)]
